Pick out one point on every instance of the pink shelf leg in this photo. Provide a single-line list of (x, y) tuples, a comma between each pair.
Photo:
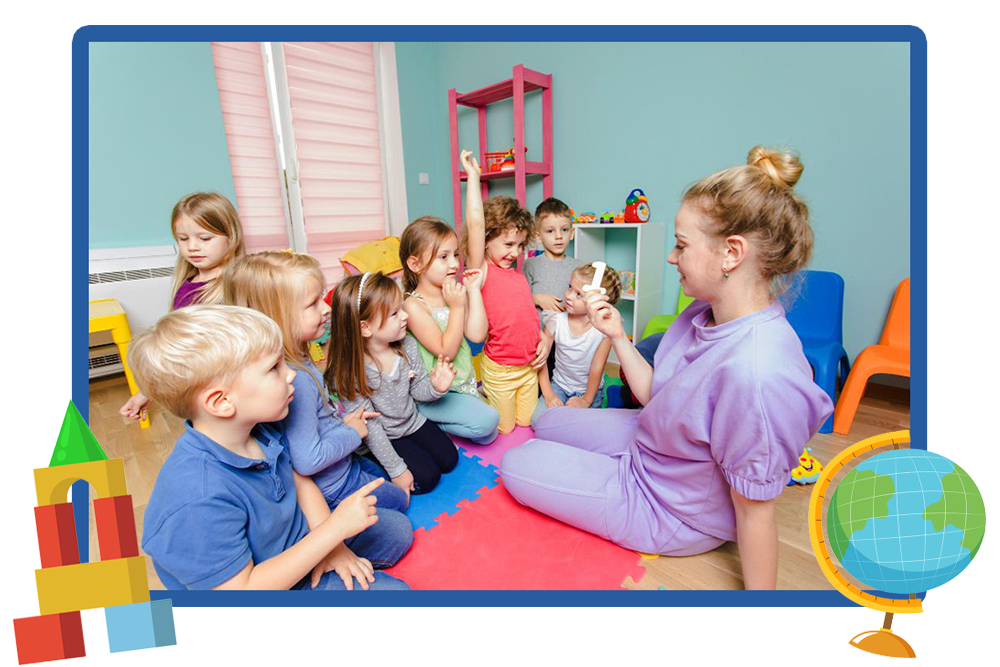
[(547, 185), (520, 183), (482, 150)]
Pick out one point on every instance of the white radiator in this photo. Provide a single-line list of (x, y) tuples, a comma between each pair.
[(140, 279)]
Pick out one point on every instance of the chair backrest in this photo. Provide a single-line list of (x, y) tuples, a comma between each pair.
[(897, 324), (683, 301), (817, 312)]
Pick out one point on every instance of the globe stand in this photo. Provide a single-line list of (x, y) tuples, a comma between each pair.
[(883, 641)]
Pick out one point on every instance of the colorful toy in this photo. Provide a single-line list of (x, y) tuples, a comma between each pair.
[(619, 217), (637, 207), (627, 279), (65, 585), (808, 470), (587, 218), (607, 218)]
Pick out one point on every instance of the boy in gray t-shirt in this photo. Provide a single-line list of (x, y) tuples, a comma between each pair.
[(548, 274)]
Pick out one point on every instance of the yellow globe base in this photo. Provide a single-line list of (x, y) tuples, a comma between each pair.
[(883, 642)]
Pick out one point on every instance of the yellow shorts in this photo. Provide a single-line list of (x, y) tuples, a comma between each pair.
[(512, 391)]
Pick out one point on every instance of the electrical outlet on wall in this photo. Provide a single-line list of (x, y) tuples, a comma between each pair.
[(425, 179)]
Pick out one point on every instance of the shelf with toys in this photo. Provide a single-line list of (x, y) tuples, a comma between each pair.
[(635, 249)]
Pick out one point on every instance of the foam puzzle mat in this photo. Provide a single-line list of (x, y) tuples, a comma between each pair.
[(460, 484), (490, 455)]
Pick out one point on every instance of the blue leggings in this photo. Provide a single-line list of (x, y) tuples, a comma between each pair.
[(463, 415)]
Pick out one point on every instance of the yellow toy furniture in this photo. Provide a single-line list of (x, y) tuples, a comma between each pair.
[(381, 255), (108, 315)]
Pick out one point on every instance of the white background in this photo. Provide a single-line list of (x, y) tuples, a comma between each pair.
[(962, 219)]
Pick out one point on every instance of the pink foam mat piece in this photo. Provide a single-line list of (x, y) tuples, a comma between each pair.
[(493, 452), (495, 543)]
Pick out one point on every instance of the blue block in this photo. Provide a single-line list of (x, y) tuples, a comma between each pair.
[(462, 483), (142, 625)]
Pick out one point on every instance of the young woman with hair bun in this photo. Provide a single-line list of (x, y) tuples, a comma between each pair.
[(729, 400)]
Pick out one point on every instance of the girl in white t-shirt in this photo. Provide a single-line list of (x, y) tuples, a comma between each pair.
[(581, 350)]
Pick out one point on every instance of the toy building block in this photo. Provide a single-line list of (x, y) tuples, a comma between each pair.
[(51, 637), (76, 443), (106, 583), (138, 626), (116, 527), (107, 477), (56, 535)]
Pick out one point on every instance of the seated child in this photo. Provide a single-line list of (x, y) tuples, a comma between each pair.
[(225, 510), (492, 239), (374, 366), (548, 273), (580, 349), (288, 287)]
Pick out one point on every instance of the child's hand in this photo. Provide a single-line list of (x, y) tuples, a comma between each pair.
[(549, 302), (348, 565), (442, 375), (469, 163), (358, 420), (553, 401), (405, 482), (454, 293), (542, 351), (473, 279), (135, 407), (356, 512), (604, 316), (578, 402)]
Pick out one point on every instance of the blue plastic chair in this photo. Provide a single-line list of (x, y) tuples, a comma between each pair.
[(817, 316)]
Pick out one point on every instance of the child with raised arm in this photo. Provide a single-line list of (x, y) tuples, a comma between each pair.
[(225, 510), (581, 350), (493, 238), (376, 367), (442, 313)]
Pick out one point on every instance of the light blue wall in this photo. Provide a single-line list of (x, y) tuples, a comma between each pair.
[(156, 134), (661, 116)]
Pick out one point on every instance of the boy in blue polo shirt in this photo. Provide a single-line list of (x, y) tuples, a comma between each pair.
[(225, 511)]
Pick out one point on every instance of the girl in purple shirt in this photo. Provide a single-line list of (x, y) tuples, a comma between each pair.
[(729, 401), (209, 235)]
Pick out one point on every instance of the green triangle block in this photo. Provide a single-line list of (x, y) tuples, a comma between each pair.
[(76, 443)]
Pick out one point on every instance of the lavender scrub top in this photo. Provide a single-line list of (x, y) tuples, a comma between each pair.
[(731, 407), (187, 293)]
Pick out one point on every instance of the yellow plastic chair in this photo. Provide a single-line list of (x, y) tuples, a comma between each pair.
[(108, 315), (663, 322)]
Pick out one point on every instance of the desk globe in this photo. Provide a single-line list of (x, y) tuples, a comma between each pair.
[(902, 521)]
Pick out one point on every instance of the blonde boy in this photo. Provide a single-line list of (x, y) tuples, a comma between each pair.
[(225, 510), (548, 274)]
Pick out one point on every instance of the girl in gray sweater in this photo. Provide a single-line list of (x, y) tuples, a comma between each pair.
[(374, 366)]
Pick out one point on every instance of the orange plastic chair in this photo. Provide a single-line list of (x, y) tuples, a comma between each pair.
[(891, 357)]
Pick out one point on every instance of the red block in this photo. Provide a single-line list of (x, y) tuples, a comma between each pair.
[(51, 637), (57, 535), (116, 527)]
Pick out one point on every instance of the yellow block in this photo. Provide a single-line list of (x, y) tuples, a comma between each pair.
[(107, 583), (107, 478)]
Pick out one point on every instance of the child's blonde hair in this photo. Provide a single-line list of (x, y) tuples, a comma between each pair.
[(190, 348), (421, 239), (274, 283), (756, 200), (611, 281), (501, 214), (345, 371), (215, 213)]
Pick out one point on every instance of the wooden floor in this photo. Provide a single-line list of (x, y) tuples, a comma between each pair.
[(882, 410)]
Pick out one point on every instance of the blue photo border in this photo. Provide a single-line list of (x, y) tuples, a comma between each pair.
[(918, 266)]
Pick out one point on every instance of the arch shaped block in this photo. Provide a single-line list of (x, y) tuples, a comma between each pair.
[(53, 484)]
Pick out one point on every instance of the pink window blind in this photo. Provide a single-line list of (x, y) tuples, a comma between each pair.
[(334, 108), (246, 113)]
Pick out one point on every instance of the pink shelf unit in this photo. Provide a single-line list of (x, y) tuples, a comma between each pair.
[(522, 81)]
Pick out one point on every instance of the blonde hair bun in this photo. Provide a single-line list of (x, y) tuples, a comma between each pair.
[(783, 167)]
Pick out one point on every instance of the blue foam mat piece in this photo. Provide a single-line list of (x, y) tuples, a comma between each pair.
[(462, 483)]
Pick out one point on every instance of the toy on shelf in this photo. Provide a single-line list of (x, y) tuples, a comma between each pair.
[(497, 161), (608, 217), (619, 217), (637, 207), (808, 469), (587, 218), (627, 279)]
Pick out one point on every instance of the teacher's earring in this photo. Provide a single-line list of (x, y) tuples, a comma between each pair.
[(725, 276)]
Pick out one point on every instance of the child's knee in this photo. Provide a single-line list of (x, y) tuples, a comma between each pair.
[(426, 479)]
